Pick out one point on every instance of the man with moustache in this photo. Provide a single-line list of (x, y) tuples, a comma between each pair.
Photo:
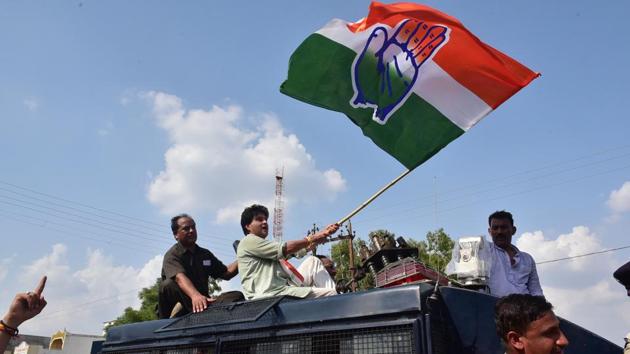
[(513, 271), (185, 271)]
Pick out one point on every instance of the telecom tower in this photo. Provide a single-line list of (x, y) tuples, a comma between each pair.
[(277, 210)]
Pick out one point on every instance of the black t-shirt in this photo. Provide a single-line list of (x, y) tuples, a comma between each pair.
[(196, 265)]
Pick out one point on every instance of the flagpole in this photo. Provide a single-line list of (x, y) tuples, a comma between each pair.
[(370, 199)]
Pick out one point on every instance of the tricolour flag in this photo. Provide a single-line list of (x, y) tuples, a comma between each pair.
[(411, 77)]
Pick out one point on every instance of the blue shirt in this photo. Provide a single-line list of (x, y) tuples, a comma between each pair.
[(518, 278)]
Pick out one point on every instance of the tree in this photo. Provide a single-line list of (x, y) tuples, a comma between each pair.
[(149, 298), (147, 311), (340, 254), (436, 251)]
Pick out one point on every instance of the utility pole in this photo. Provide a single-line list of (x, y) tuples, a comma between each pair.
[(278, 207), (313, 231), (351, 235)]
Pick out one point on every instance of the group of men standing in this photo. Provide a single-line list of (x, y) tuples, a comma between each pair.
[(187, 266)]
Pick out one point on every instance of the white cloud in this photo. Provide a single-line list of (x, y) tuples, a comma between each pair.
[(82, 299), (619, 200), (582, 290), (579, 241), (603, 308), (31, 104), (217, 164)]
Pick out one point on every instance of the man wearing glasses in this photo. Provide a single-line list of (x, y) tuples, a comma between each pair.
[(185, 271)]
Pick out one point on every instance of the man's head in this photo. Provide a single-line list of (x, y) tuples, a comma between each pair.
[(254, 220), (501, 228), (329, 265), (184, 230), (623, 276), (526, 324)]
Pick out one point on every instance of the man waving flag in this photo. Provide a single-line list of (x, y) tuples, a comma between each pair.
[(411, 77)]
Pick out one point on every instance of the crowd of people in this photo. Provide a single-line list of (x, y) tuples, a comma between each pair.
[(524, 319)]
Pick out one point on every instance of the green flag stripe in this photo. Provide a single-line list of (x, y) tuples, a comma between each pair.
[(319, 74)]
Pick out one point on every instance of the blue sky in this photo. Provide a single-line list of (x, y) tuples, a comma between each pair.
[(95, 97)]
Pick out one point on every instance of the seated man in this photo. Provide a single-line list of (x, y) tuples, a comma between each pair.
[(318, 271), (512, 271), (259, 259), (526, 324), (185, 271)]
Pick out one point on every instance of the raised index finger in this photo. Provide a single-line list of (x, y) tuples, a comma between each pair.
[(40, 287)]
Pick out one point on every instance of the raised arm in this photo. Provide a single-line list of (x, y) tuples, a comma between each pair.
[(23, 307)]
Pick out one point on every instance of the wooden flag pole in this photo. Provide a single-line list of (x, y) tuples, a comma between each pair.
[(370, 199)]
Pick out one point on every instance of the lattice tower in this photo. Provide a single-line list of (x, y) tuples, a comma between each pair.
[(278, 208)]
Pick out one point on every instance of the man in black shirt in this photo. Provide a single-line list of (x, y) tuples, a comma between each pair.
[(185, 271)]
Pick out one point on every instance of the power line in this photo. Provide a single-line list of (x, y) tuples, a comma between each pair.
[(584, 255), (472, 190), (84, 305), (75, 218), (78, 203), (80, 210), (371, 220), (46, 224)]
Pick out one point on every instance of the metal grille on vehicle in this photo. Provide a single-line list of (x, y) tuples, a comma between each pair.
[(384, 340)]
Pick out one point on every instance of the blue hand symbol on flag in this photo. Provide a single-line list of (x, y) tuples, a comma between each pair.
[(384, 74)]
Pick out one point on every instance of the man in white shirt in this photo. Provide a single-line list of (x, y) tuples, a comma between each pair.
[(512, 271), (318, 271)]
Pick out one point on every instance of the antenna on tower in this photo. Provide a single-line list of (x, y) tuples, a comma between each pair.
[(278, 208)]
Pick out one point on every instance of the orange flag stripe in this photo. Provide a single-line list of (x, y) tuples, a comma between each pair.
[(491, 75)]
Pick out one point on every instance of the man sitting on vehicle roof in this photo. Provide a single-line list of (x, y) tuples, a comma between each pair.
[(259, 259), (513, 271), (185, 271), (318, 271), (527, 325)]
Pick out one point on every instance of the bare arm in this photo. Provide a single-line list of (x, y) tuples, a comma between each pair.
[(199, 300), (24, 307), (315, 239), (232, 270)]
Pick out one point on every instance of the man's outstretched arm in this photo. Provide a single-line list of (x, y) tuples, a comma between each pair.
[(315, 239)]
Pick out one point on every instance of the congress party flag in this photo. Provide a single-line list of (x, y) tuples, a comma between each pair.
[(411, 77)]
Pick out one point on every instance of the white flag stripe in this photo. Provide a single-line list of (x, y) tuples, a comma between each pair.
[(448, 96), (460, 105)]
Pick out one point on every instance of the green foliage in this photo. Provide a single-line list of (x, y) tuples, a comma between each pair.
[(213, 286), (149, 298), (340, 254), (436, 251)]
